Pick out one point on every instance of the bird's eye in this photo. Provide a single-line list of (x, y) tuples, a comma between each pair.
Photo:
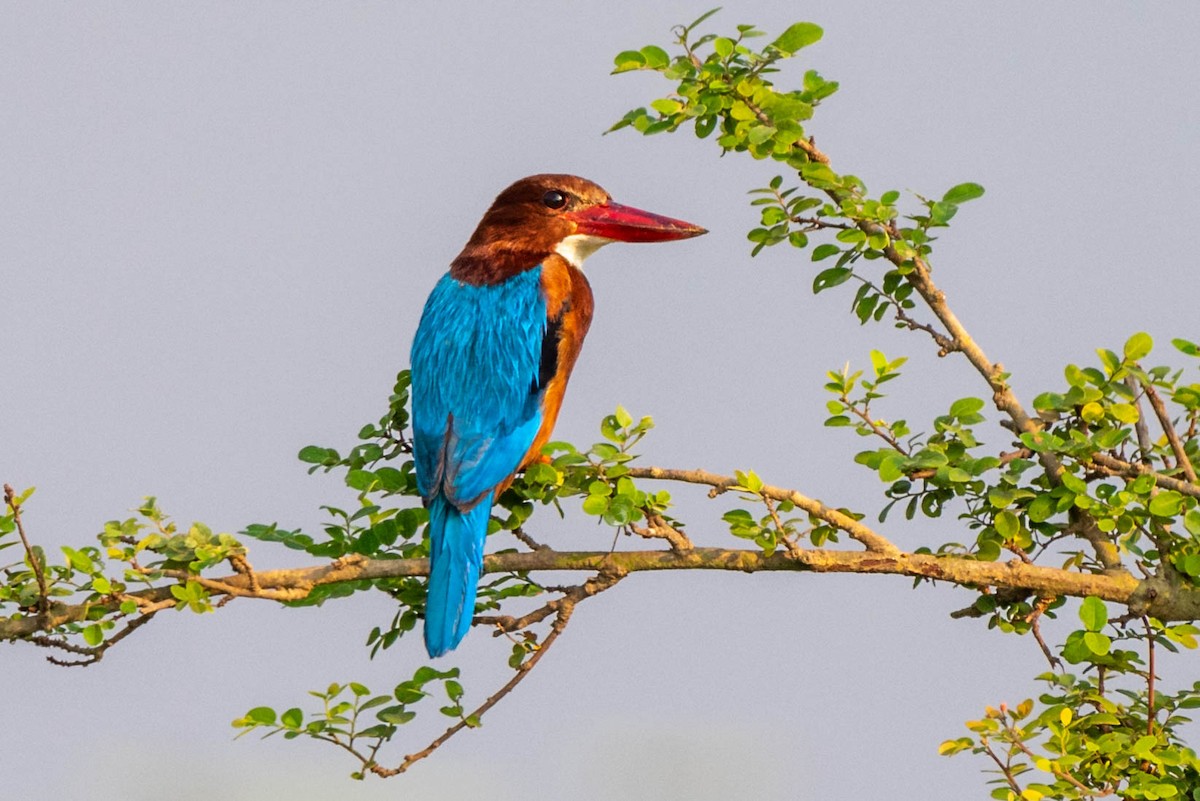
[(554, 199)]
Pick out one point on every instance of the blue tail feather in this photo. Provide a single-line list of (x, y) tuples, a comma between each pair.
[(456, 556)]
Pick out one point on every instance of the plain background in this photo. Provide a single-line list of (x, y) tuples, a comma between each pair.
[(218, 224)]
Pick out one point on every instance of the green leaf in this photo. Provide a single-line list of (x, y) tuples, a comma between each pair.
[(595, 505), (705, 125), (666, 105), (1093, 613), (1092, 412), (655, 56), (942, 212), (292, 719), (962, 193), (1185, 347), (629, 60), (263, 715), (315, 455), (1125, 412), (891, 467), (825, 251), (831, 277), (965, 407), (1097, 643), (1138, 346), (1007, 524), (395, 714), (802, 34), (93, 635), (703, 17), (1166, 503)]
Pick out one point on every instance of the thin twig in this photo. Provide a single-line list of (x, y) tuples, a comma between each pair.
[(1007, 771), (793, 549), (1058, 772), (919, 275), (94, 653), (529, 541), (872, 540), (10, 498), (1149, 676), (1034, 618), (877, 428), (1164, 419), (1145, 446), (565, 608), (1120, 467), (659, 528)]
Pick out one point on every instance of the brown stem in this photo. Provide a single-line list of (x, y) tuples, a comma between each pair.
[(1145, 445), (919, 274), (1035, 617), (1164, 419), (93, 654), (1007, 771), (529, 541), (658, 528), (1058, 772), (1121, 467), (565, 608), (1153, 596), (10, 499), (870, 539), (1149, 676), (879, 430), (793, 549)]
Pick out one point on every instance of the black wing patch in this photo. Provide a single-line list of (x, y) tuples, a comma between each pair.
[(549, 363)]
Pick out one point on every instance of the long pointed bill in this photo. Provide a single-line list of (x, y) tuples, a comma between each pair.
[(627, 224)]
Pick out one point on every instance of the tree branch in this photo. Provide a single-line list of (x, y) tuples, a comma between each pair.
[(10, 500), (1156, 596), (1164, 419), (1120, 467), (873, 541), (563, 608)]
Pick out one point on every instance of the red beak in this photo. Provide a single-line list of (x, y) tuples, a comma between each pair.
[(627, 224)]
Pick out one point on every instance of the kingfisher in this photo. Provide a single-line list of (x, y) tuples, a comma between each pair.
[(491, 359)]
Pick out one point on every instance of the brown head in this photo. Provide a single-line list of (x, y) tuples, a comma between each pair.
[(563, 214)]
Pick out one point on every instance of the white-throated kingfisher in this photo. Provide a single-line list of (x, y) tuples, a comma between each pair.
[(491, 360)]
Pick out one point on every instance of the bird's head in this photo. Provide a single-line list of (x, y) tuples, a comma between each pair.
[(563, 214)]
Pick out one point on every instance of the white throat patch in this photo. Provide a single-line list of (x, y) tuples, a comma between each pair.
[(577, 247)]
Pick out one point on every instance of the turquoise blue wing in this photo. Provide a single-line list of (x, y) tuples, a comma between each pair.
[(476, 363)]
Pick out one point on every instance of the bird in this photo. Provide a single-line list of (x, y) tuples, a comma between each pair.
[(498, 338)]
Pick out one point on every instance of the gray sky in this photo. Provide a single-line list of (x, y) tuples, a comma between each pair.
[(219, 222)]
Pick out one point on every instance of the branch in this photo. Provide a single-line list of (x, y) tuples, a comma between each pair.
[(1156, 596), (10, 499), (659, 528), (563, 608), (1120, 467), (1164, 419), (920, 275), (874, 542)]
